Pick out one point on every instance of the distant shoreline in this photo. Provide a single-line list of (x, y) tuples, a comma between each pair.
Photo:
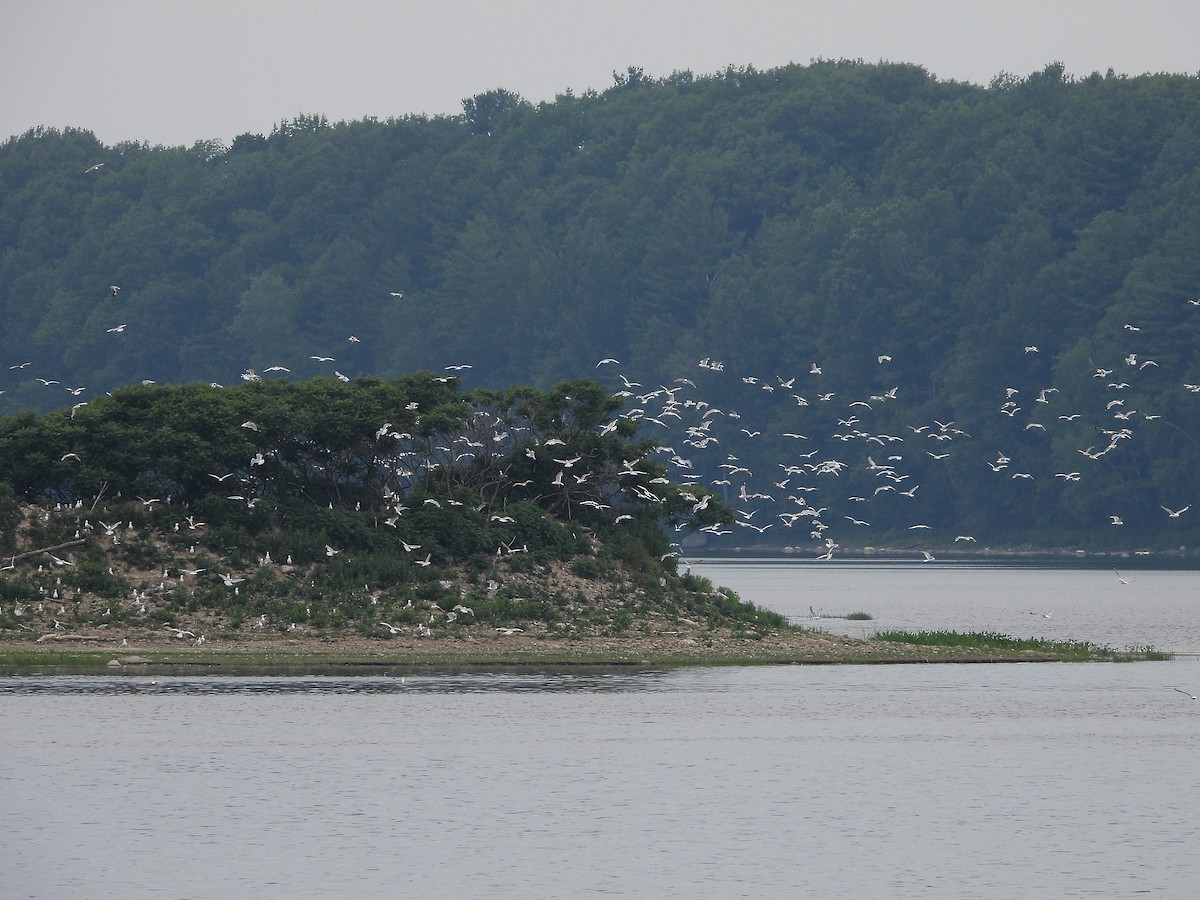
[(947, 553)]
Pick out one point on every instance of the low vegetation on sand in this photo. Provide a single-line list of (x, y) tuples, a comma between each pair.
[(993, 641)]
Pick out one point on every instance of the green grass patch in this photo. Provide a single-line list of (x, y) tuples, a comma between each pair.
[(994, 641)]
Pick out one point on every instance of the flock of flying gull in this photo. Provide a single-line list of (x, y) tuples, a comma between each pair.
[(698, 439), (815, 475)]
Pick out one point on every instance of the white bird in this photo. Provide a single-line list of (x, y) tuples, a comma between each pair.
[(253, 426), (929, 557), (230, 581), (329, 551), (509, 631), (392, 629), (1116, 520), (1175, 514)]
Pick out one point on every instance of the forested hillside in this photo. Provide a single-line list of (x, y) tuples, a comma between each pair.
[(869, 306)]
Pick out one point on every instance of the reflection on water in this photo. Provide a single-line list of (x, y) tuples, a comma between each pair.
[(603, 679)]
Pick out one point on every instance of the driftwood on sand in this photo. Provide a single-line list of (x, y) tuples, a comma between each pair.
[(57, 636), (64, 546)]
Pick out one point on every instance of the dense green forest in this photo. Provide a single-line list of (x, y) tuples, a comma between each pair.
[(839, 293)]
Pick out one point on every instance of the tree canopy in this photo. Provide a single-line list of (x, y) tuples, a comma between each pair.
[(772, 222)]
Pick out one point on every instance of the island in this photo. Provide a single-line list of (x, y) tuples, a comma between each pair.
[(403, 523)]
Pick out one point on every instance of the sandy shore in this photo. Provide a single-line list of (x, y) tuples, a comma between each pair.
[(477, 648)]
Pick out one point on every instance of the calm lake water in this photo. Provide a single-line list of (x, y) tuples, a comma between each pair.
[(1042, 780), (1116, 607)]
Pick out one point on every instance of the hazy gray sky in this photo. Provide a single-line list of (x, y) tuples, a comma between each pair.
[(172, 72)]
